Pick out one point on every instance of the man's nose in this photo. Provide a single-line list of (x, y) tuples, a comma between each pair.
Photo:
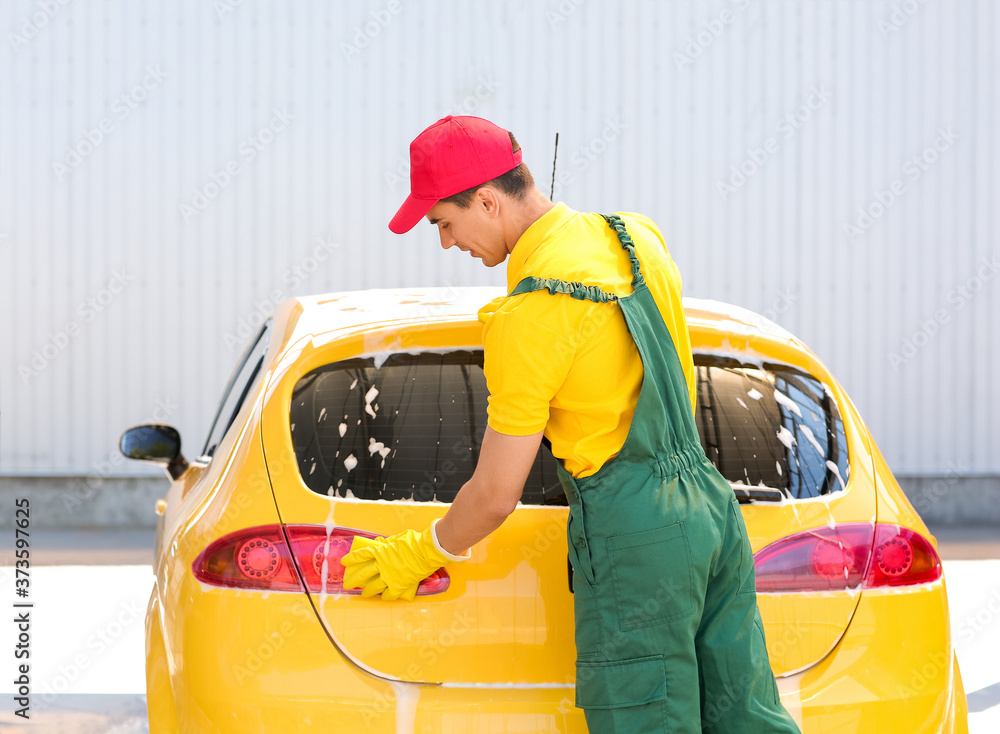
[(447, 240)]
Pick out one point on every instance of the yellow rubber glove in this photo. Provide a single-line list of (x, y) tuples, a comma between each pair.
[(395, 566), (360, 570)]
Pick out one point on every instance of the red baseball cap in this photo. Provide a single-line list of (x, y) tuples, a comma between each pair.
[(452, 155)]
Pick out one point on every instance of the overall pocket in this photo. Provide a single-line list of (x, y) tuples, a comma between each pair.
[(577, 544), (623, 695), (746, 574), (653, 577)]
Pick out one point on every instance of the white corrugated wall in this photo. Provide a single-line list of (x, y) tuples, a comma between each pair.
[(119, 305)]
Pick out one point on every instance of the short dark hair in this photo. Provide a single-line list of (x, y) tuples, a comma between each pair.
[(515, 183)]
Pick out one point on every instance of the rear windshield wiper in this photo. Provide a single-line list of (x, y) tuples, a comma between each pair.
[(745, 495)]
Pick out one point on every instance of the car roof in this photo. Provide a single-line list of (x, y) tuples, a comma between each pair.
[(327, 312), (718, 314)]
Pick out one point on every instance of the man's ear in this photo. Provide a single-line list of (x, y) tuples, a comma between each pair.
[(489, 201)]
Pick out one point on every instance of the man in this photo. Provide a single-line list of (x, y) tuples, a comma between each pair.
[(590, 349)]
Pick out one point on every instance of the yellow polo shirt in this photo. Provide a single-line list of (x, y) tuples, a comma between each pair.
[(570, 366)]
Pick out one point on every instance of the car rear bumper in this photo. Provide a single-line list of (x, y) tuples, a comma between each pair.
[(237, 661), (894, 670)]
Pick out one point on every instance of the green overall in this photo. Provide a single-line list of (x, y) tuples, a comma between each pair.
[(668, 634)]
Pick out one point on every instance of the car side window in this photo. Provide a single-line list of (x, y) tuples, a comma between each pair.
[(244, 379)]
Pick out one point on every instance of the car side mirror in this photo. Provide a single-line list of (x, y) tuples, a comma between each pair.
[(157, 443)]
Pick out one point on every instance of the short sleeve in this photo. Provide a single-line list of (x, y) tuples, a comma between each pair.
[(647, 224), (525, 363)]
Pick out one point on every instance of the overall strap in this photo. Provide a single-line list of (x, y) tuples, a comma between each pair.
[(663, 431), (579, 290), (576, 290), (616, 223)]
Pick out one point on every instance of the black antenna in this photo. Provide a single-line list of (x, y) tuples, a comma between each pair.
[(555, 153)]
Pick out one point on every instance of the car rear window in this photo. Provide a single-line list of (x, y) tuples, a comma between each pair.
[(411, 428), (770, 425)]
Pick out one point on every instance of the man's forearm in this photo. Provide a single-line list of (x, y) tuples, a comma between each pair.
[(475, 513), (485, 501)]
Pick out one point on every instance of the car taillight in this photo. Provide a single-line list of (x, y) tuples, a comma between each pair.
[(310, 546), (262, 558), (847, 556), (902, 557), (253, 558)]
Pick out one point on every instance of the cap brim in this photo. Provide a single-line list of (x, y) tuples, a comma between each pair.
[(411, 212)]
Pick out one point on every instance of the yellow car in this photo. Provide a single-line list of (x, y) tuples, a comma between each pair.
[(361, 413)]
